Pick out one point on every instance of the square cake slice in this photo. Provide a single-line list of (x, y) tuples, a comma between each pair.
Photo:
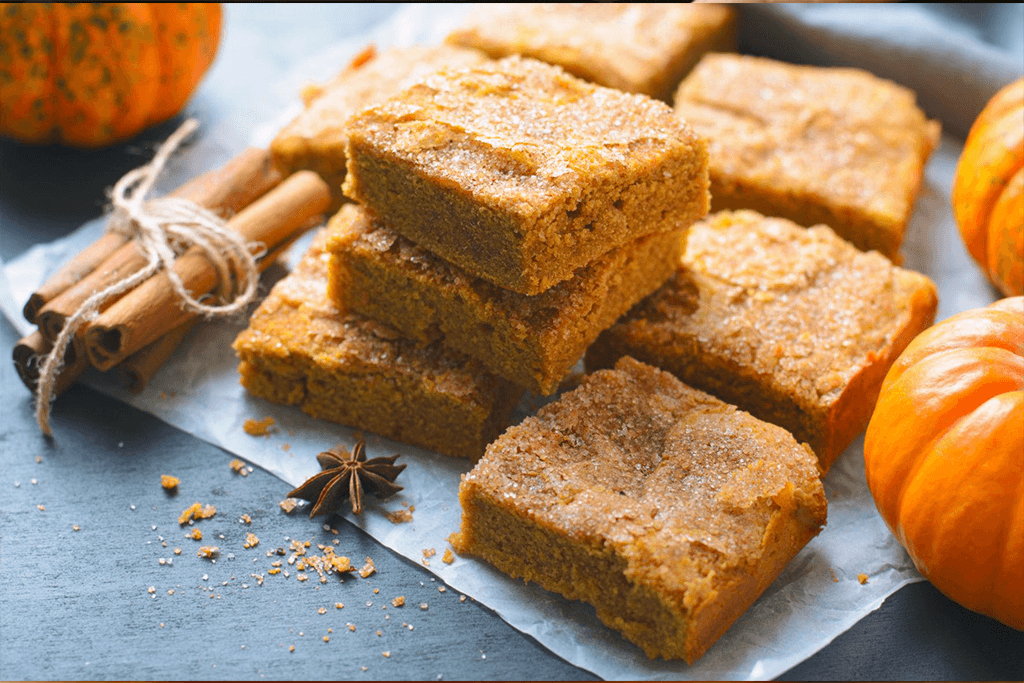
[(519, 173), (644, 48), (794, 325), (531, 340), (666, 509), (812, 144), (316, 139), (300, 350)]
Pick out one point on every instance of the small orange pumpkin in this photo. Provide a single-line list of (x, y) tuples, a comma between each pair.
[(91, 74), (988, 190), (944, 454)]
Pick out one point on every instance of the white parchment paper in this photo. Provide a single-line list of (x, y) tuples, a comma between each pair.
[(814, 600)]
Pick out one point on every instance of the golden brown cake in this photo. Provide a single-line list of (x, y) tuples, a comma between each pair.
[(794, 325), (520, 173), (531, 340), (811, 144), (644, 48), (663, 507), (300, 350), (316, 139)]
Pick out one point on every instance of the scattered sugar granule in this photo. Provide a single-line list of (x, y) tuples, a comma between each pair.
[(168, 482), (288, 504), (399, 601), (258, 427), (196, 534), (863, 578), (448, 556), (239, 467), (251, 541), (367, 569), (208, 551)]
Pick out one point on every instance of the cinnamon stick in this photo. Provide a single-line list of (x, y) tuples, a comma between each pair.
[(139, 368), (28, 354), (224, 191), (153, 309)]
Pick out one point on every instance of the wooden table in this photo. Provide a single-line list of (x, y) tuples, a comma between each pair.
[(76, 604)]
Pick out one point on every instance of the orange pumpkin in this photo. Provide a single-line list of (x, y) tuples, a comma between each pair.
[(988, 190), (944, 454), (91, 74)]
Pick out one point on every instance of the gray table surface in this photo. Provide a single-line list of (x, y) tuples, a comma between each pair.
[(75, 604)]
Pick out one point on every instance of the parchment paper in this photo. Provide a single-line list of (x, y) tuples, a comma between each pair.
[(814, 600)]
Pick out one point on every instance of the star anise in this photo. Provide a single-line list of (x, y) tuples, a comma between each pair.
[(345, 475)]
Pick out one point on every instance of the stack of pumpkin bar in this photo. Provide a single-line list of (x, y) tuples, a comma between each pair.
[(509, 213)]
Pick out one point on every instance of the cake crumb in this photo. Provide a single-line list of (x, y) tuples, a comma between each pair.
[(239, 467), (863, 578), (151, 589), (322, 610), (286, 447), (429, 552), (424, 606), (258, 427), (327, 639), (177, 551), (251, 541), (367, 569), (291, 648), (448, 556), (399, 516), (75, 527), (386, 654), (208, 551), (339, 605), (41, 508), (196, 534), (288, 504), (399, 601), (168, 482), (245, 519), (39, 458), (351, 627), (426, 562)]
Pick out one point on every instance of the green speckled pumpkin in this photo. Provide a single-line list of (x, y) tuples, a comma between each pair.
[(92, 74)]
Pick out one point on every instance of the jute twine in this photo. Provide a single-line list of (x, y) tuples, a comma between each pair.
[(162, 228)]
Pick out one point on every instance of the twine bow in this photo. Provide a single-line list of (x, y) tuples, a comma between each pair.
[(162, 228)]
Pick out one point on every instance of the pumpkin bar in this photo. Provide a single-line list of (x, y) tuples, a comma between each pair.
[(644, 48), (811, 144), (519, 173), (300, 350), (794, 325), (531, 340), (316, 139), (666, 509)]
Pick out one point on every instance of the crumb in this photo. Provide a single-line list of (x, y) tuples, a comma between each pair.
[(161, 624), (429, 552), (245, 519), (76, 528), (302, 577), (462, 598), (379, 634), (151, 589), (376, 590), (196, 511), (239, 467), (339, 605), (322, 610), (39, 458), (41, 508), (258, 427), (272, 572), (197, 534), (288, 504), (168, 482), (399, 601), (291, 648), (170, 592), (441, 589), (33, 482), (367, 569), (251, 541), (286, 447), (426, 562), (834, 579), (163, 395), (424, 606), (208, 551), (386, 654), (362, 668), (448, 556), (327, 639), (863, 578), (351, 627), (400, 516), (177, 551)]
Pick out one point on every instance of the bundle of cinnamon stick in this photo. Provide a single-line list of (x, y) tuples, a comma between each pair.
[(138, 331)]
